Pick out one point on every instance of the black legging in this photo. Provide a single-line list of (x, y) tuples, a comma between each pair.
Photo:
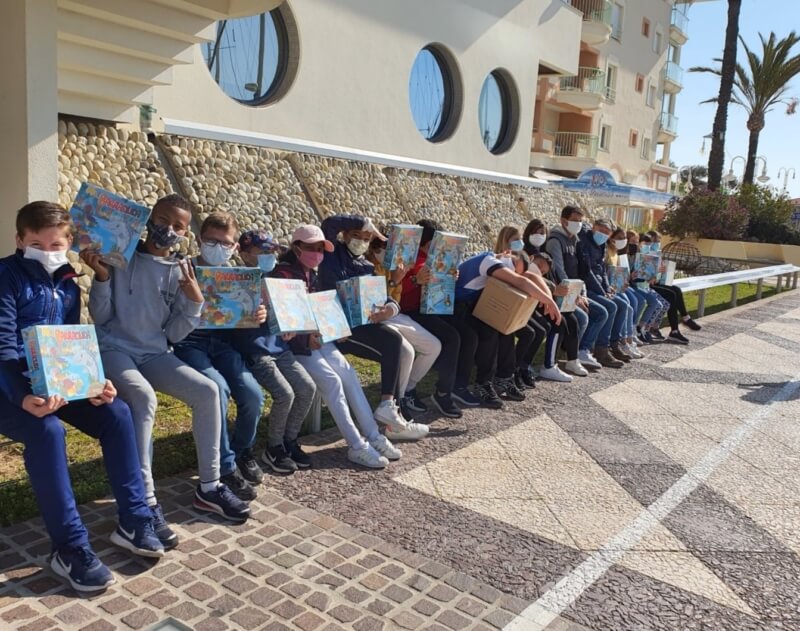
[(674, 296), (461, 320), (509, 357), (450, 357), (541, 325), (379, 343)]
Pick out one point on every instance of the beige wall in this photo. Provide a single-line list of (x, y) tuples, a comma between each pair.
[(351, 87)]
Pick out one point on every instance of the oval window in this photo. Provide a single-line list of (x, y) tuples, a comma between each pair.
[(497, 112), (432, 94), (249, 57)]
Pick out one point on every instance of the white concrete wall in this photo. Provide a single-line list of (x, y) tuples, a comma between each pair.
[(351, 87)]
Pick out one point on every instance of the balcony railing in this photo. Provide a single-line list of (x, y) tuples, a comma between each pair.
[(591, 80), (594, 10), (611, 94), (669, 123), (575, 145), (680, 21), (673, 72)]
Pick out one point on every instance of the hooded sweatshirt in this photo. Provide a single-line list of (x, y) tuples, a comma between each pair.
[(561, 246), (141, 310)]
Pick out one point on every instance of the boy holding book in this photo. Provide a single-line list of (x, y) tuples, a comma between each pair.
[(37, 287), (277, 370), (212, 353), (139, 312)]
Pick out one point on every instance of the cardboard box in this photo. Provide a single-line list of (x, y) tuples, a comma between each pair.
[(503, 307)]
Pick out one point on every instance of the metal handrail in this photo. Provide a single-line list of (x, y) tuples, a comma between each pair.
[(575, 145), (594, 10), (589, 79), (673, 72)]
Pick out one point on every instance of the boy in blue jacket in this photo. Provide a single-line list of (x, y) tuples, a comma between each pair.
[(37, 287)]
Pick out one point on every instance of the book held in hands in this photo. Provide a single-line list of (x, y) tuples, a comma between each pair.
[(289, 310), (361, 296), (232, 297), (438, 296), (618, 277), (402, 245), (647, 266), (446, 252), (64, 360), (329, 314), (569, 303), (108, 223)]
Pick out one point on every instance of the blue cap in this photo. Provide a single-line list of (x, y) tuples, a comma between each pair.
[(260, 239)]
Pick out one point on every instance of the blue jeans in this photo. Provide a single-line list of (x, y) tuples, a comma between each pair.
[(598, 317), (637, 304), (45, 458), (617, 310), (652, 303), (220, 362)]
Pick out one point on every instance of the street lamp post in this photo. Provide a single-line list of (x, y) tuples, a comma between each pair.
[(730, 177), (786, 172)]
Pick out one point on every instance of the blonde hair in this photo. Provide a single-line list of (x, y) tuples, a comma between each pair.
[(503, 237)]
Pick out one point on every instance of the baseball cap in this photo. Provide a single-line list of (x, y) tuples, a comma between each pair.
[(311, 234), (260, 239)]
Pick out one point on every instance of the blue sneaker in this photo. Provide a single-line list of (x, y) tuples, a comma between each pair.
[(138, 537), (223, 502), (165, 534), (82, 568)]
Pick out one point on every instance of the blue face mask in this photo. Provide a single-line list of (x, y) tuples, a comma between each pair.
[(516, 245), (599, 238), (655, 247), (644, 248), (266, 262)]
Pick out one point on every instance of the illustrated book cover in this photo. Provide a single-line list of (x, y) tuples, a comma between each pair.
[(360, 296), (402, 245), (329, 314), (232, 296), (288, 306), (446, 252), (568, 303)]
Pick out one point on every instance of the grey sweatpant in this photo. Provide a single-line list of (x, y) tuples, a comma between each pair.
[(137, 386), (292, 391)]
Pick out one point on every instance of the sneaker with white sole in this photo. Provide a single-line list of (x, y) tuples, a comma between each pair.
[(411, 431), (389, 414), (630, 349), (81, 567), (574, 366), (385, 448), (221, 501), (139, 537), (554, 373), (587, 360), (367, 457)]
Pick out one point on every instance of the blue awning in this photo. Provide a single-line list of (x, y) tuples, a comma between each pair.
[(604, 188)]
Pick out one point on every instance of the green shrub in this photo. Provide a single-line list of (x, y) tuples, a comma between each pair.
[(770, 213), (706, 214)]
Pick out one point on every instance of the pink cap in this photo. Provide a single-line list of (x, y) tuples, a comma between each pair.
[(311, 234)]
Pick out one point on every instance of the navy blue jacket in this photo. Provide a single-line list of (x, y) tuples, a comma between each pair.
[(29, 297), (342, 264), (592, 263)]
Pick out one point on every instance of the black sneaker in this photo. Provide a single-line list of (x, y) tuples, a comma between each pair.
[(249, 468), (489, 398), (414, 402), (645, 337), (277, 459), (526, 377), (656, 334), (165, 534), (223, 502), (297, 454), (405, 410), (692, 324), (677, 336), (464, 397), (444, 403), (239, 486), (506, 387)]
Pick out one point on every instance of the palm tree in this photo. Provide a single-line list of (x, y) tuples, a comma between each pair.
[(716, 157), (762, 84)]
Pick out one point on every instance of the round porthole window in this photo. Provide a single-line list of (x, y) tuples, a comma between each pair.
[(434, 93), (498, 111), (251, 57)]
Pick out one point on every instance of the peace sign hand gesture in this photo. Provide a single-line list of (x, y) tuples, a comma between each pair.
[(188, 282)]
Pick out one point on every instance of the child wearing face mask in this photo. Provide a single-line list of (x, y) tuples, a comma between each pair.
[(212, 353), (37, 287), (277, 370), (618, 244), (139, 312), (375, 341)]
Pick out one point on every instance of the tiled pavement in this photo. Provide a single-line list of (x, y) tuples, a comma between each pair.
[(490, 513)]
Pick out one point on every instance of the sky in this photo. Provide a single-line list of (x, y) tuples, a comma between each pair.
[(779, 139)]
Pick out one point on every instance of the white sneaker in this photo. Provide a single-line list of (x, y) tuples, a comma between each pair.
[(587, 359), (412, 431), (574, 366), (554, 374), (367, 457), (389, 414), (386, 449), (631, 350)]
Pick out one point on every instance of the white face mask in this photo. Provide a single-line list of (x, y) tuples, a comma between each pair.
[(574, 227), (215, 254), (51, 261), (620, 244), (537, 240), (358, 247)]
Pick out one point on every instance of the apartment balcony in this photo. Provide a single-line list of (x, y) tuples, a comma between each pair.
[(586, 91), (668, 127), (596, 20), (566, 151), (673, 78), (678, 27)]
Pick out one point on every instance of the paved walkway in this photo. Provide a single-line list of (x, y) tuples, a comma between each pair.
[(665, 495)]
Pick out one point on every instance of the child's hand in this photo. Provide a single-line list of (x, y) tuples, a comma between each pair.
[(288, 337), (40, 407), (423, 276), (560, 290), (261, 314), (381, 313), (108, 395), (92, 259), (399, 274), (188, 282)]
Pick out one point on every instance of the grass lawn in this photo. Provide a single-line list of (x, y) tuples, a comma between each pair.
[(174, 448)]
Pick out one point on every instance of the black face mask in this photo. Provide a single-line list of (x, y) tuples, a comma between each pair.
[(632, 249)]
